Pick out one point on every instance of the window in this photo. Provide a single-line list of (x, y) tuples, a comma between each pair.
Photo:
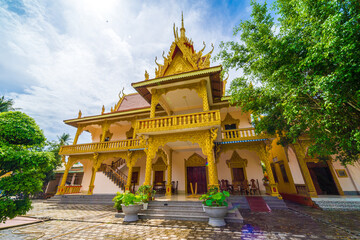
[(283, 172), (230, 126), (274, 172)]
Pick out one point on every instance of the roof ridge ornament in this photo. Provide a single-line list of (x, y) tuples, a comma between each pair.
[(182, 57)]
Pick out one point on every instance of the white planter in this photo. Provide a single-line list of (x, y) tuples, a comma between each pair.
[(145, 206), (131, 212), (216, 215)]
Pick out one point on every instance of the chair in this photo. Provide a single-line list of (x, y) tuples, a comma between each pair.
[(223, 185), (229, 187), (236, 188), (254, 187), (244, 187), (174, 187)]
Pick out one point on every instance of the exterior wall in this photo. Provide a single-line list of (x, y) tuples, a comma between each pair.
[(87, 175), (119, 132), (278, 156), (253, 168), (142, 164), (104, 185), (350, 187), (294, 167), (178, 166)]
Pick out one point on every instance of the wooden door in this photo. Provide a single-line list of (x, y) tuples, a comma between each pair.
[(196, 175), (238, 175), (322, 179), (159, 177)]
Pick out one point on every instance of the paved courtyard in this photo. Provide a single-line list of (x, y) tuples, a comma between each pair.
[(98, 222)]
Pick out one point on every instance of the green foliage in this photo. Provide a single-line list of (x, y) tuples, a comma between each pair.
[(129, 198), (301, 73), (54, 147), (6, 105), (145, 192), (215, 198), (118, 200), (21, 142)]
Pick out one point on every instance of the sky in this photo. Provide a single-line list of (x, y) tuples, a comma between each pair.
[(57, 57)]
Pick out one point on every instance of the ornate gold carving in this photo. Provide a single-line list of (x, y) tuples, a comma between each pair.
[(79, 130), (224, 84), (229, 120), (236, 161), (195, 160), (146, 75), (182, 57), (130, 133), (102, 110), (202, 92), (79, 114), (159, 165)]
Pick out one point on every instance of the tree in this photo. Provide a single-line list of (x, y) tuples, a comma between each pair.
[(54, 147), (6, 105), (22, 163), (301, 73)]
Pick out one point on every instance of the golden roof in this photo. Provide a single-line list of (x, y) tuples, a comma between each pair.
[(182, 57)]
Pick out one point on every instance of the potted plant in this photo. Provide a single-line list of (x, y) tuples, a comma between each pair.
[(153, 192), (118, 201), (216, 207), (144, 192), (131, 206), (205, 196)]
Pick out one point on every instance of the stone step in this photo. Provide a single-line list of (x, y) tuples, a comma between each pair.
[(173, 212), (176, 208)]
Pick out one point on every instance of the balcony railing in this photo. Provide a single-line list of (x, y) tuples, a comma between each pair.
[(69, 189), (101, 147), (241, 134), (193, 120)]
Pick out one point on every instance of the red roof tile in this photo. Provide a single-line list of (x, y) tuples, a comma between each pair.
[(133, 101)]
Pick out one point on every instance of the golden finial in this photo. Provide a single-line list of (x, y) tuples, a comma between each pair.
[(122, 93), (182, 29), (157, 62), (146, 75), (103, 110), (112, 109), (79, 114)]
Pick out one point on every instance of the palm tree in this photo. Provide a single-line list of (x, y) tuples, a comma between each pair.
[(6, 105), (64, 139)]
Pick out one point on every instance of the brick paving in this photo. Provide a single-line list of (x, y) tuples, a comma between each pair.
[(67, 221)]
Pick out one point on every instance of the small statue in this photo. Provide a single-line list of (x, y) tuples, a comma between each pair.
[(146, 75), (103, 110), (79, 115)]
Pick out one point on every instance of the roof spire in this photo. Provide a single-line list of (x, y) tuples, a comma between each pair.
[(182, 29)]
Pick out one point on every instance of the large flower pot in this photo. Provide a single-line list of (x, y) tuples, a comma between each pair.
[(131, 212), (216, 215)]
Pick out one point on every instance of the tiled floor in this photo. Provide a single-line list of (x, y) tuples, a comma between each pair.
[(68, 221)]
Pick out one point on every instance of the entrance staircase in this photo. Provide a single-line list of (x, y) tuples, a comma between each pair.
[(114, 174), (338, 203), (182, 210)]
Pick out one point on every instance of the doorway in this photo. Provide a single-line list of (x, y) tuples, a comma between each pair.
[(322, 179), (196, 175)]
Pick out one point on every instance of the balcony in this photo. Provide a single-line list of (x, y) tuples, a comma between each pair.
[(241, 134), (112, 146), (202, 120)]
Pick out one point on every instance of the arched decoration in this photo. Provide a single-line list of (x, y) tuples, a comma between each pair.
[(229, 120), (236, 161), (195, 160), (130, 133), (237, 167), (159, 165)]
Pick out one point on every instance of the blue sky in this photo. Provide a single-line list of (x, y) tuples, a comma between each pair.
[(57, 57)]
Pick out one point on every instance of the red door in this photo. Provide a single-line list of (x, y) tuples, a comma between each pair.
[(196, 175)]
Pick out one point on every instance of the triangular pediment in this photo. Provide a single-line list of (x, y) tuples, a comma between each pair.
[(178, 65)]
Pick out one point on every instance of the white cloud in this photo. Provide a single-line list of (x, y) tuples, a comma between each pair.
[(71, 55)]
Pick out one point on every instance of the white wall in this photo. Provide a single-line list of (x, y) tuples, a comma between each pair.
[(294, 167), (253, 168), (104, 185), (345, 182)]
